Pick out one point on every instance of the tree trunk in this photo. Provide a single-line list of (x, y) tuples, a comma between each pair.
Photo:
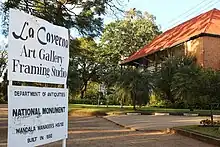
[(170, 97), (59, 13), (122, 103), (133, 94), (85, 86), (83, 91), (82, 94), (134, 105)]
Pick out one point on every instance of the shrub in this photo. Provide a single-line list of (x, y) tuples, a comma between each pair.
[(207, 122), (2, 101), (186, 85), (91, 102)]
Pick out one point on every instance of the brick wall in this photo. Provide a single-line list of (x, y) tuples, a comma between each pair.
[(195, 48), (211, 46), (206, 49)]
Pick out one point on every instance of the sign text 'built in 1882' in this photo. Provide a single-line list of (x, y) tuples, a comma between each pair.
[(36, 115)]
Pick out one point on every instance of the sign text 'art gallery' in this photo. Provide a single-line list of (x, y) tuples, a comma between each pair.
[(42, 54), (37, 49)]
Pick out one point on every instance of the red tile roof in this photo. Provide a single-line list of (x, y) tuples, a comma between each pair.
[(208, 22)]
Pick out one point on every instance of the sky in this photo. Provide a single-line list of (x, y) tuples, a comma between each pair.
[(168, 13)]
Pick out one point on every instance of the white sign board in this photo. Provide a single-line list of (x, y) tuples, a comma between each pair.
[(38, 51), (36, 115)]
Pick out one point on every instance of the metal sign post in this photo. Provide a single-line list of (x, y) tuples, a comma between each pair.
[(64, 140)]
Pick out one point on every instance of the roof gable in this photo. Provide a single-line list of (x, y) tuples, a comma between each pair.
[(208, 22)]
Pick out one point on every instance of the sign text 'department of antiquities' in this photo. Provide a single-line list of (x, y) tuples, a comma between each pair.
[(37, 115)]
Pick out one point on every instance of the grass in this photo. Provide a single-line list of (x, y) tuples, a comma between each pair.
[(210, 131), (93, 109), (168, 110)]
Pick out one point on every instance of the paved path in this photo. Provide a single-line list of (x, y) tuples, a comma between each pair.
[(98, 132), (151, 122)]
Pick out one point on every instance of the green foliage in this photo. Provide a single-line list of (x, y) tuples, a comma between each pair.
[(93, 102), (83, 101), (209, 84), (208, 122), (86, 65), (84, 16), (120, 39), (92, 92), (184, 84), (3, 60), (123, 37), (170, 80), (4, 88), (3, 75), (122, 95), (156, 101), (208, 131), (136, 83)]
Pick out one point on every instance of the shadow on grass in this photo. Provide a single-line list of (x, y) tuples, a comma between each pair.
[(86, 112), (205, 130)]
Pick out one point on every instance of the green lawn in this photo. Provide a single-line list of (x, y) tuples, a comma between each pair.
[(210, 131), (97, 110), (144, 110)]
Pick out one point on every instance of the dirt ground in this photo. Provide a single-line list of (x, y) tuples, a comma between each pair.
[(98, 132)]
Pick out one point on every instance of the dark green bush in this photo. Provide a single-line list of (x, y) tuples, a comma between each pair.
[(2, 101), (92, 102)]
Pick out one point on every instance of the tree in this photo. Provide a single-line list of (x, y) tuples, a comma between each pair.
[(83, 15), (181, 81), (87, 62), (137, 84), (86, 16), (122, 95), (209, 85), (3, 61), (124, 37), (170, 79), (185, 85), (4, 87), (120, 39), (3, 74)]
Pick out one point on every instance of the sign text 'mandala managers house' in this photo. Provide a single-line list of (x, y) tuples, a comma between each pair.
[(44, 38)]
